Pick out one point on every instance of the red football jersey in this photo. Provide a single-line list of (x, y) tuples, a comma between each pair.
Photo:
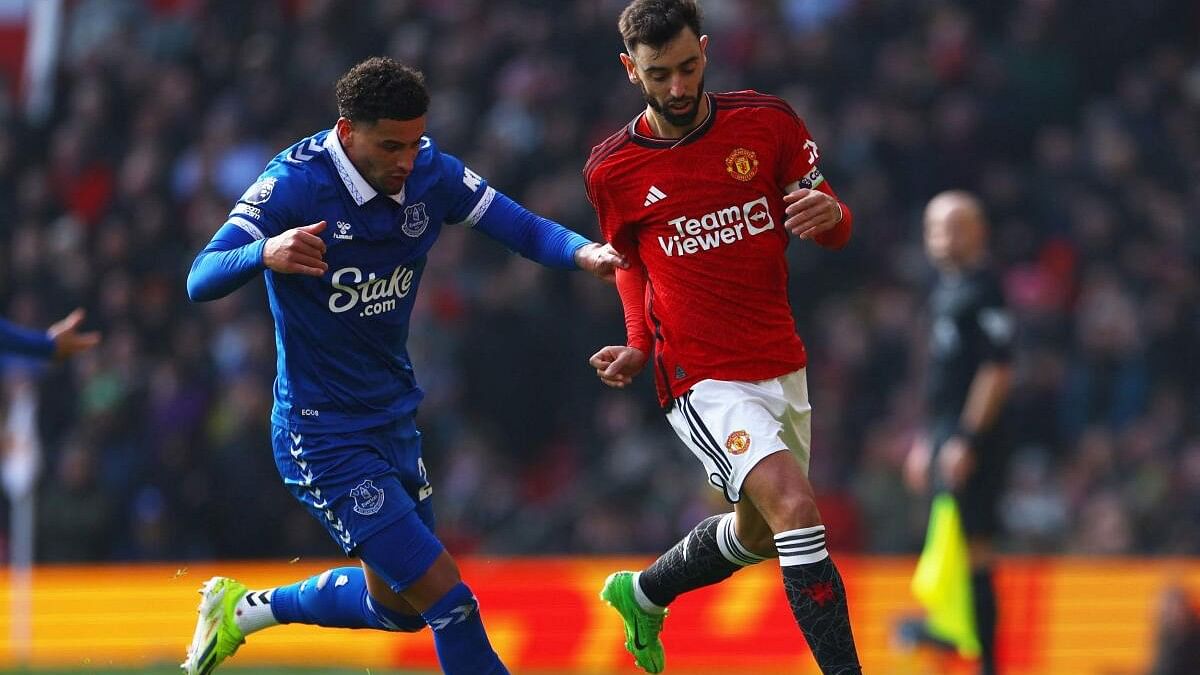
[(702, 220)]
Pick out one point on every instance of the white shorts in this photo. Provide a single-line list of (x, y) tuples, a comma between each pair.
[(731, 426)]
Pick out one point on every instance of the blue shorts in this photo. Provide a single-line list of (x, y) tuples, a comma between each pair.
[(359, 483)]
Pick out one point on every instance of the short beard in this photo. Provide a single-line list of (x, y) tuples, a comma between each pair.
[(673, 119)]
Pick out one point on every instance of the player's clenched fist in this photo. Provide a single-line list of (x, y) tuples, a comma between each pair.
[(616, 365), (810, 212), (299, 250)]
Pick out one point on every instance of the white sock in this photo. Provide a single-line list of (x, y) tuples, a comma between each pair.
[(804, 546), (641, 598), (253, 612), (731, 547)]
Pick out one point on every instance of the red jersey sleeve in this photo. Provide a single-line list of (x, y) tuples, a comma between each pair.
[(631, 285), (839, 235), (631, 282)]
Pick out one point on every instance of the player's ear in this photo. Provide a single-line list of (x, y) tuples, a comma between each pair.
[(630, 67), (342, 129)]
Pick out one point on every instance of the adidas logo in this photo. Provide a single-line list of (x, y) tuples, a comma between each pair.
[(653, 196)]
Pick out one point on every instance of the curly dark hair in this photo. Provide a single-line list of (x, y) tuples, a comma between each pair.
[(654, 23), (381, 88)]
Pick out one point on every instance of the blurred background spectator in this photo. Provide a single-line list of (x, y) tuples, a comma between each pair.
[(1077, 122)]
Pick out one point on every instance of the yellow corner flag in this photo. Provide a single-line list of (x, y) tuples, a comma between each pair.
[(942, 581)]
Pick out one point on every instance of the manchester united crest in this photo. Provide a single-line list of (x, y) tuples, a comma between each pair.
[(742, 164), (737, 443)]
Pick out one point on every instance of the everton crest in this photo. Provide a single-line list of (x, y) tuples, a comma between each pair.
[(415, 220), (368, 499)]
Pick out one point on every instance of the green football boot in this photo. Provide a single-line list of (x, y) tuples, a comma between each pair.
[(641, 627), (217, 636)]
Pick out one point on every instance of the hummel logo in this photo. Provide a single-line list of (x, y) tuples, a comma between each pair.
[(263, 597), (653, 196), (304, 152), (457, 615)]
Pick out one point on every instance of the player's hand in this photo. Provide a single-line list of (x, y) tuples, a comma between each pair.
[(616, 365), (600, 260), (955, 460), (916, 466), (299, 250), (68, 341), (810, 212)]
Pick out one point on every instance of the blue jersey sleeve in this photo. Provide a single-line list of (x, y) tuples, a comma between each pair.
[(529, 234), (231, 259), (273, 204), (476, 204), (17, 340)]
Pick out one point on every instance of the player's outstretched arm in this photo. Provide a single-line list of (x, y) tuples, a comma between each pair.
[(617, 365), (545, 241), (60, 341)]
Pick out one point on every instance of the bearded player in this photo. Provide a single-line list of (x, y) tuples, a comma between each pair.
[(702, 193)]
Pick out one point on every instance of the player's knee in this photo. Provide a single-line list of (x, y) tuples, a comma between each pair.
[(793, 511), (410, 624), (756, 537), (392, 620), (760, 545)]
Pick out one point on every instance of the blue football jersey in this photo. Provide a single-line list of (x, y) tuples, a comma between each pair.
[(342, 360)]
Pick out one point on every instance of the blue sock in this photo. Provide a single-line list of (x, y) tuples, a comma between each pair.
[(338, 598), (462, 645)]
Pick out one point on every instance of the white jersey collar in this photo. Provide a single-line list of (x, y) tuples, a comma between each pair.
[(356, 185)]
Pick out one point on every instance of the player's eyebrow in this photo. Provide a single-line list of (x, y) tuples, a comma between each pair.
[(665, 69)]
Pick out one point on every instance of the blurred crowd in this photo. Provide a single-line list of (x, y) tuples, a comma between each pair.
[(1077, 121)]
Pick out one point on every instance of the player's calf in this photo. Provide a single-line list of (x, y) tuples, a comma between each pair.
[(462, 644), (818, 599)]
